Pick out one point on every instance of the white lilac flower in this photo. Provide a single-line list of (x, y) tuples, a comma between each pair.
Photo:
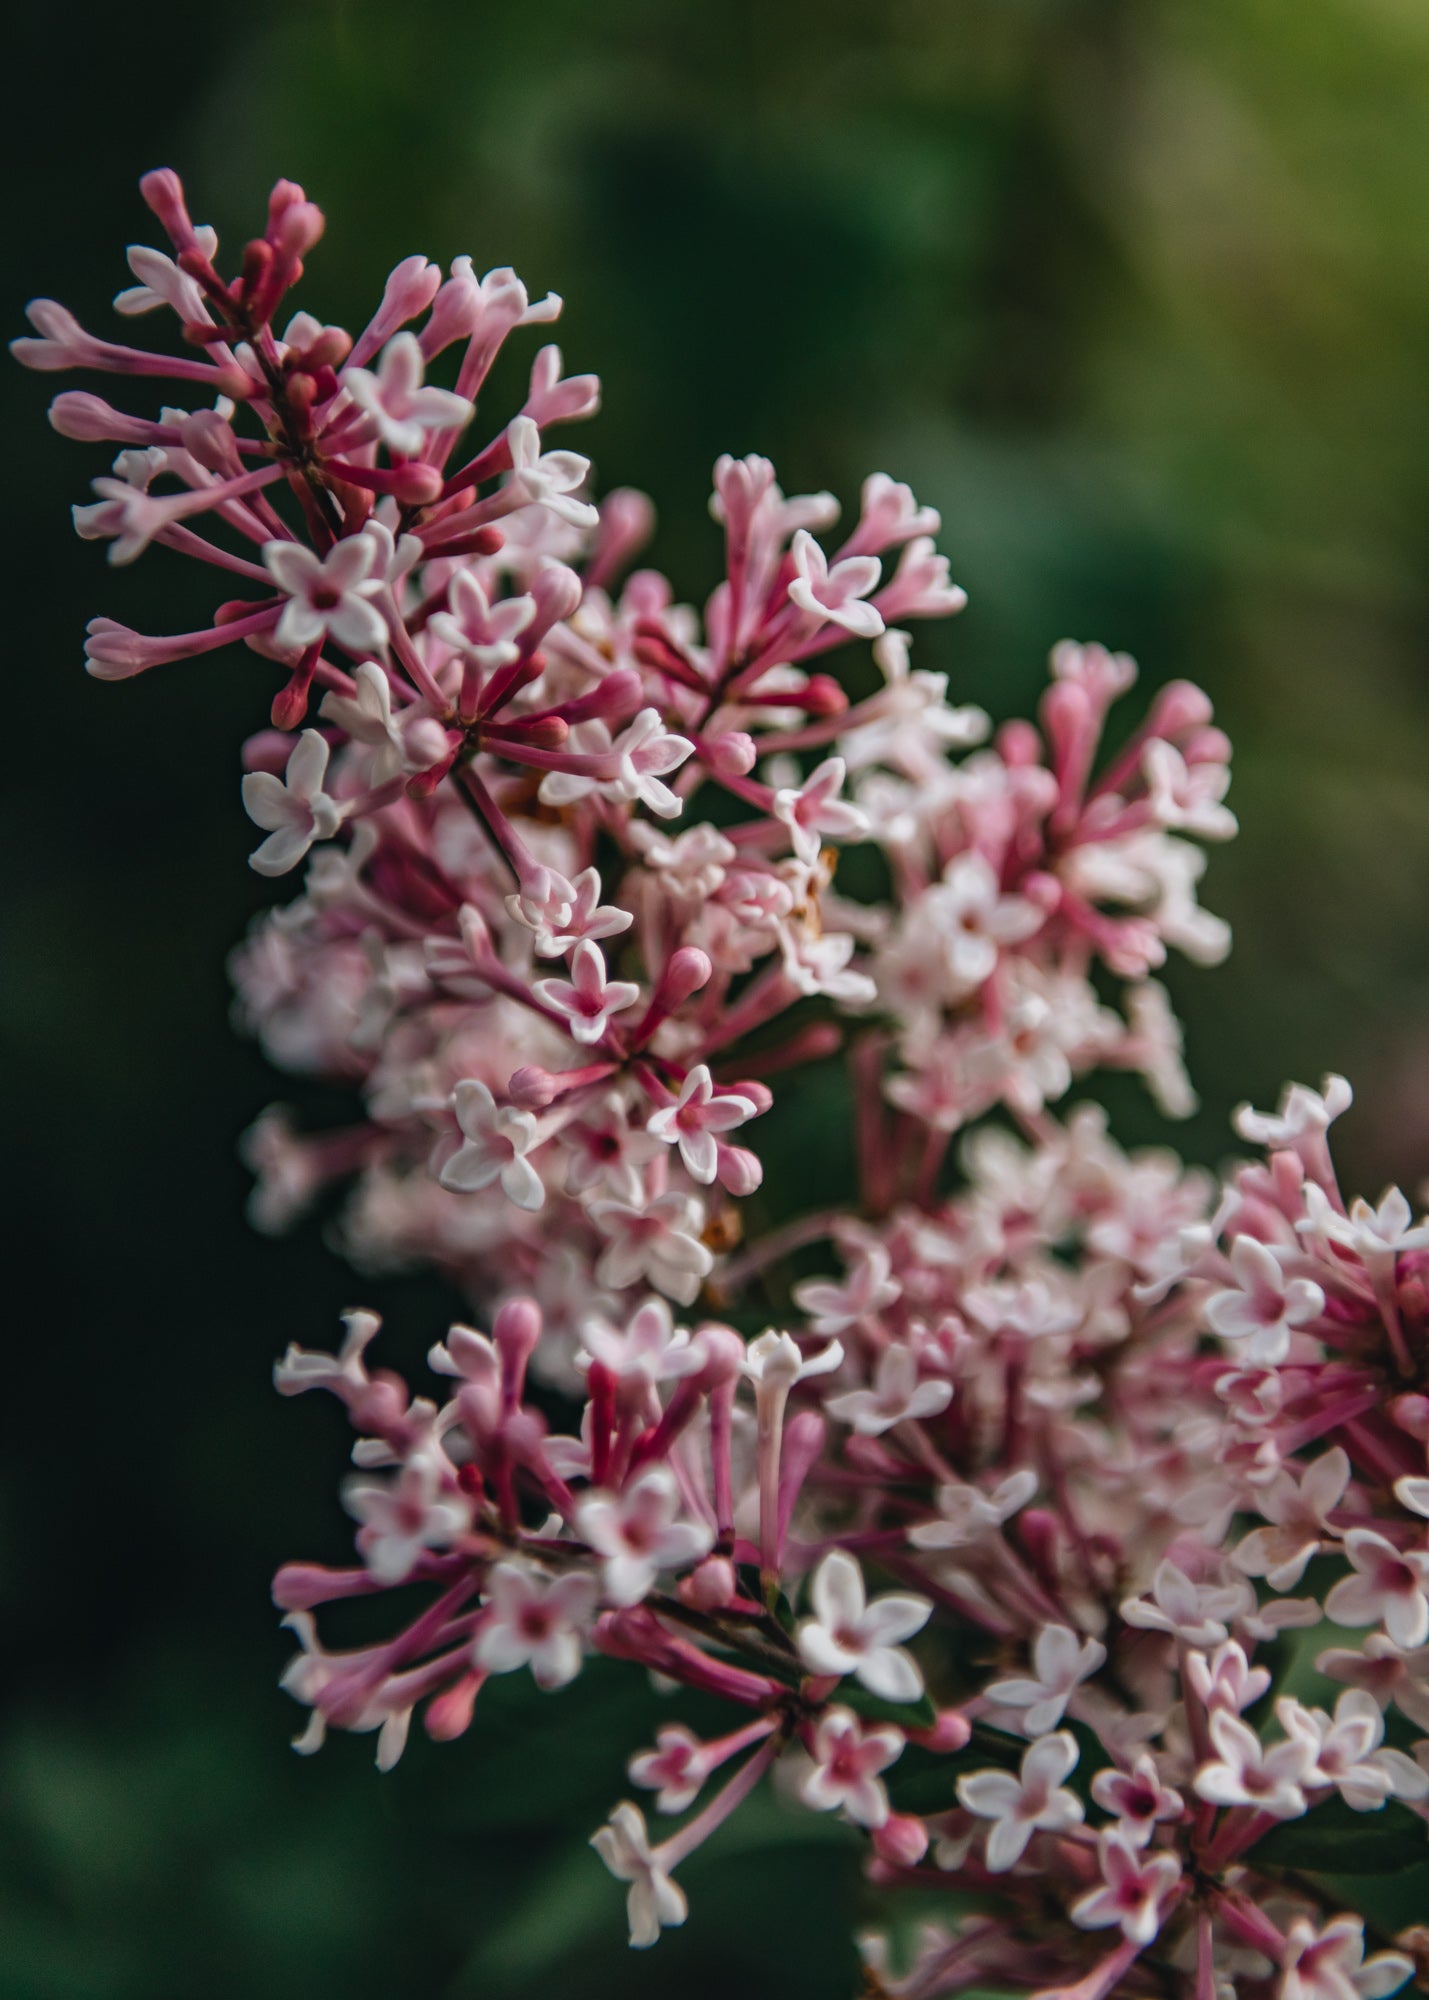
[(849, 1635)]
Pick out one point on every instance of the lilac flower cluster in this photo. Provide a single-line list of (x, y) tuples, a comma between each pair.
[(1034, 1486)]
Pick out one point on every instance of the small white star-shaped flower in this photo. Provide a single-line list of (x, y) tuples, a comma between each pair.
[(294, 809), (848, 1635), (1032, 1802), (400, 408), (654, 1900), (496, 1139), (328, 596)]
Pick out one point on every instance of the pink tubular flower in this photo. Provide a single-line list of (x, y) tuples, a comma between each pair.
[(897, 1395), (401, 410), (814, 810), (1265, 1309), (1033, 1802), (650, 1350), (674, 1770), (659, 1241), (1245, 1773), (1060, 1665), (401, 1519)]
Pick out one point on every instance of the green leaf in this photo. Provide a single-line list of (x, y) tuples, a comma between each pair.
[(1333, 1839)]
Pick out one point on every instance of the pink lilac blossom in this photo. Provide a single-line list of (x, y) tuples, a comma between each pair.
[(570, 922)]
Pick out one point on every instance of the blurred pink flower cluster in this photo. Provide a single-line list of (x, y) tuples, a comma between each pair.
[(999, 1542)]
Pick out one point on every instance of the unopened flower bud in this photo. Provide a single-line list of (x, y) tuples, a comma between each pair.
[(949, 1733), (415, 484), (533, 1088), (823, 696), (1177, 708), (902, 1840), (710, 1587), (732, 755)]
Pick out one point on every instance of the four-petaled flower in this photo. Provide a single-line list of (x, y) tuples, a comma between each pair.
[(838, 594), (402, 1517), (1265, 1307), (848, 1756), (1390, 1583), (897, 1396), (329, 597), (496, 1139), (1059, 1665), (294, 809), (695, 1116), (1330, 1964), (659, 1241), (848, 1635), (399, 407), (535, 1621), (815, 810), (1138, 1798), (653, 1901), (481, 631), (1246, 1773), (547, 479), (1190, 1611), (650, 1350), (1034, 1801), (674, 1770), (1134, 1888), (637, 1534), (588, 998), (970, 919)]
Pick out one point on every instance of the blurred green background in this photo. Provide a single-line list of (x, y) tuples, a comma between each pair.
[(1138, 295)]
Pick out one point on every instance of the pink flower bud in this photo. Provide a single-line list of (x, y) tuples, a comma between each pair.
[(902, 1840), (449, 1713), (75, 413), (710, 1587), (686, 971), (267, 750), (732, 755), (724, 1355), (163, 193), (822, 695), (1179, 707), (1018, 744), (533, 1088), (415, 484), (951, 1732), (739, 1171), (516, 1330)]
